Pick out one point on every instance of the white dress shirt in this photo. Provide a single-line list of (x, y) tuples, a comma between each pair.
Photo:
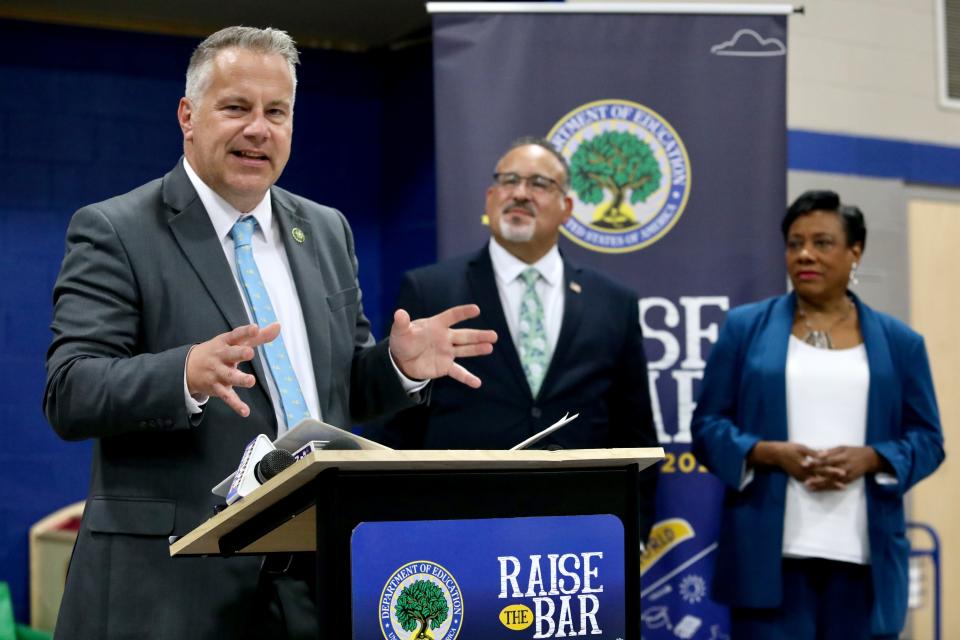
[(271, 259), (507, 269)]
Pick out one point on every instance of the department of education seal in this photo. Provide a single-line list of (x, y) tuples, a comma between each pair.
[(421, 601), (629, 175)]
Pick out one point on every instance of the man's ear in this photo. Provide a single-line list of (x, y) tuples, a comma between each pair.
[(185, 117), (567, 207)]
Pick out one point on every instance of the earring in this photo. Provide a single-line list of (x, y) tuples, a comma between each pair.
[(853, 274)]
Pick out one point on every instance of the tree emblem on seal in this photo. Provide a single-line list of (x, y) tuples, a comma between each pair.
[(618, 162), (421, 606)]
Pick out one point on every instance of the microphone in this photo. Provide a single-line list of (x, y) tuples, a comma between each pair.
[(272, 464)]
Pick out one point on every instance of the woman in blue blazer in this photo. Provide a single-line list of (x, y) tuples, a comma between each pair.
[(818, 414)]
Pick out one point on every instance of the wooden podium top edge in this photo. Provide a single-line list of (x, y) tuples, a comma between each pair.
[(308, 467)]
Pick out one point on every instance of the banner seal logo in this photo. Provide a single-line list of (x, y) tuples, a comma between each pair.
[(421, 601), (629, 175)]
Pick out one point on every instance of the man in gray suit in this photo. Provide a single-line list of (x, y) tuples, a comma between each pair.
[(167, 351)]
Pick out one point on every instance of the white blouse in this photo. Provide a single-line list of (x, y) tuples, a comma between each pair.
[(826, 407)]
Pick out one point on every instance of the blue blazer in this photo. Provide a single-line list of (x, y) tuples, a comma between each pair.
[(743, 401)]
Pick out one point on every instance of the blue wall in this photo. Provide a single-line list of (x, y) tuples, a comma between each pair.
[(912, 162), (86, 114)]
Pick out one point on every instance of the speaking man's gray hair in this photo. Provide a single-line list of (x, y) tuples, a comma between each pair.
[(267, 40)]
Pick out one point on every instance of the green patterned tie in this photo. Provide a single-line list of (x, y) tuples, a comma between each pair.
[(533, 334)]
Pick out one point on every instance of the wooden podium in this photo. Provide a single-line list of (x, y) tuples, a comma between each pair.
[(316, 503)]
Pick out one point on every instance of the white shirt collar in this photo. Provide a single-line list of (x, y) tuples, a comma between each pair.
[(507, 267), (224, 215)]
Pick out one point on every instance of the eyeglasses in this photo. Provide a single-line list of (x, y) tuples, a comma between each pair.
[(536, 183)]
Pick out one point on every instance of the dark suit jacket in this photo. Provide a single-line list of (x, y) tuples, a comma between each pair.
[(144, 278), (598, 369), (743, 400)]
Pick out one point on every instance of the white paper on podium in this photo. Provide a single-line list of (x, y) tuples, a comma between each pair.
[(542, 434)]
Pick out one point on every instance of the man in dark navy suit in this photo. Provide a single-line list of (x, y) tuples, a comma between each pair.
[(576, 343)]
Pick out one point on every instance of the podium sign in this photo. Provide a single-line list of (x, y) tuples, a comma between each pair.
[(479, 579)]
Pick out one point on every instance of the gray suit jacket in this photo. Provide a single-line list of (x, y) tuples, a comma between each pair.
[(144, 278)]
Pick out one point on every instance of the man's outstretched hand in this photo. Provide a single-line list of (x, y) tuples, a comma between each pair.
[(212, 365), (425, 349)]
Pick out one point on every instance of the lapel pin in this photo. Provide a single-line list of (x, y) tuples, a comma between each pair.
[(298, 235), (575, 287)]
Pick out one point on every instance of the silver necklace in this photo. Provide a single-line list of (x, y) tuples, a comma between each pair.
[(820, 338)]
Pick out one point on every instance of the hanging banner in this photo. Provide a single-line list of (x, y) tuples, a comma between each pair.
[(674, 128)]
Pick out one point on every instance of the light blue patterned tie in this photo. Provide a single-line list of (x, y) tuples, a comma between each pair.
[(533, 334), (291, 398)]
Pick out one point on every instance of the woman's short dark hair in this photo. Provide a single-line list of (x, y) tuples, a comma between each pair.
[(854, 226)]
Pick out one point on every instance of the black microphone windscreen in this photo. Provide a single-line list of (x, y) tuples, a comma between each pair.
[(271, 464)]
